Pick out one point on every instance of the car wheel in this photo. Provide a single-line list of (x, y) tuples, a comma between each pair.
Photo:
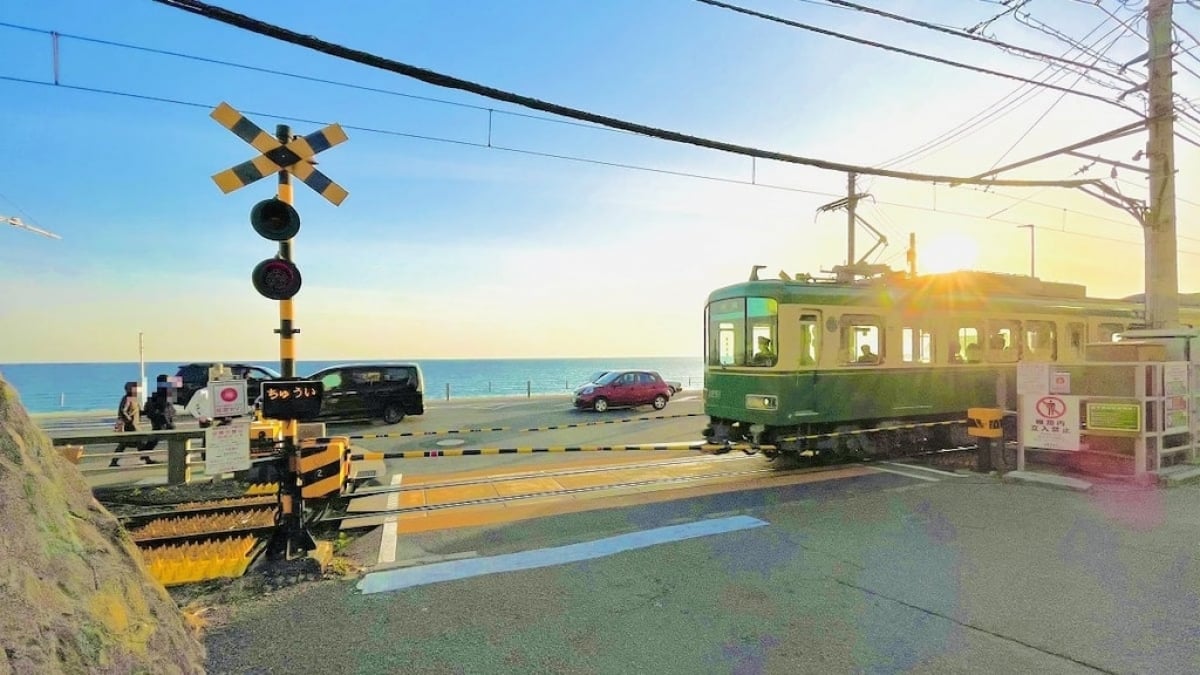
[(393, 414), (660, 402), (600, 405)]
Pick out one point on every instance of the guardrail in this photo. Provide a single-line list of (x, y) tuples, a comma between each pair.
[(179, 444)]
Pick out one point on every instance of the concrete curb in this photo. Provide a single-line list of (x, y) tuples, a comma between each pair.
[(1175, 476)]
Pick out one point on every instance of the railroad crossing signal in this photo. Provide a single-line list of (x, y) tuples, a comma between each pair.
[(295, 156)]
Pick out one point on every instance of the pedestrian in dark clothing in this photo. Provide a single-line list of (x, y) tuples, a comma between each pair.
[(128, 411), (160, 408)]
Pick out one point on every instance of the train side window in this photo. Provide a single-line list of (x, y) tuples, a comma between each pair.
[(965, 347), (1041, 341), (862, 339), (810, 332), (1004, 341), (1108, 332), (917, 345), (1075, 338)]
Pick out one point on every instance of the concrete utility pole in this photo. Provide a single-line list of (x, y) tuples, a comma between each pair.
[(1162, 271)]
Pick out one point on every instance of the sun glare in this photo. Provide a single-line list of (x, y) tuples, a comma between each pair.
[(946, 253)]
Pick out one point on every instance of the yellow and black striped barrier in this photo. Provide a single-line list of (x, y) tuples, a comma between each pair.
[(553, 427), (474, 452)]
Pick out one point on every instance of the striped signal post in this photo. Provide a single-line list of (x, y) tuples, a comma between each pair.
[(278, 278)]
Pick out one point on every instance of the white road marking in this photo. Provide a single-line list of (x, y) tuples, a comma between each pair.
[(925, 468), (388, 539), (906, 475)]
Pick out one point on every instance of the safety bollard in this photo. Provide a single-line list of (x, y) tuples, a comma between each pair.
[(984, 425)]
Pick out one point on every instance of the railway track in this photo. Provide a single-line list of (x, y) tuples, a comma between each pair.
[(192, 541)]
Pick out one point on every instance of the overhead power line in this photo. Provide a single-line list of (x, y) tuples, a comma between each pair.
[(583, 160), (442, 80), (971, 36), (890, 48)]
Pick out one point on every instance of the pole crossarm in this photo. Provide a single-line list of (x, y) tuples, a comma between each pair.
[(1119, 132)]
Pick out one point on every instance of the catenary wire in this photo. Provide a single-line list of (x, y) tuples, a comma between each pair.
[(1023, 94), (483, 146), (441, 80), (977, 38), (891, 48)]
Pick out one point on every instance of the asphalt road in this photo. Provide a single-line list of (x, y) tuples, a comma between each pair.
[(877, 573)]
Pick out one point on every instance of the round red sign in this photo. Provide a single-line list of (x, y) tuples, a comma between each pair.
[(229, 394), (1051, 406)]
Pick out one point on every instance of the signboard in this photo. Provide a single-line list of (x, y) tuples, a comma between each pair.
[(1175, 413), (1108, 416), (1033, 379), (1060, 383), (1175, 379), (228, 398), (227, 447), (1050, 422), (291, 399)]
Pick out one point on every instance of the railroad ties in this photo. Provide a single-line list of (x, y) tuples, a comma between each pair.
[(199, 541)]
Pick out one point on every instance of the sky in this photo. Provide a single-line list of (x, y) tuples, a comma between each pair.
[(449, 248)]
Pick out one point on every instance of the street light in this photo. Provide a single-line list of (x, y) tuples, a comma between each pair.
[(1031, 249)]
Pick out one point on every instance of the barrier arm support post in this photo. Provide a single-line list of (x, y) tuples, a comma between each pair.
[(984, 424)]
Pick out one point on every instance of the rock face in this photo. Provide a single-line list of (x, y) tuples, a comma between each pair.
[(75, 596)]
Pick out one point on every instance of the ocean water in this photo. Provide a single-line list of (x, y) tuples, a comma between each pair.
[(75, 387)]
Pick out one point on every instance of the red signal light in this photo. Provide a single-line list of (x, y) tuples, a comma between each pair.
[(276, 279)]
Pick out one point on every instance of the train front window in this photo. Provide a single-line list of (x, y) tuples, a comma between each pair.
[(762, 324), (726, 332)]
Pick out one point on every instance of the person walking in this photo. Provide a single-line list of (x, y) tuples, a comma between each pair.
[(128, 411), (160, 408)]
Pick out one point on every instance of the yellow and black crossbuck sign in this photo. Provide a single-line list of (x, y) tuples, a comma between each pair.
[(295, 156)]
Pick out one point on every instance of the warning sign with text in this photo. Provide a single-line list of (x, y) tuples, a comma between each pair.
[(1050, 422)]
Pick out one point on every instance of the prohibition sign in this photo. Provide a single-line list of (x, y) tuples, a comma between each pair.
[(1051, 407)]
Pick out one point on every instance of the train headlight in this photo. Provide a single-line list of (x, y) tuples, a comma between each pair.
[(761, 402)]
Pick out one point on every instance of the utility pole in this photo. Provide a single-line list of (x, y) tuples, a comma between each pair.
[(850, 202), (1162, 271)]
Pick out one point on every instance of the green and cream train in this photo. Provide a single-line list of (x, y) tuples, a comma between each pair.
[(790, 359)]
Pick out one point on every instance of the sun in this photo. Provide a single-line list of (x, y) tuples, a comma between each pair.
[(947, 253)]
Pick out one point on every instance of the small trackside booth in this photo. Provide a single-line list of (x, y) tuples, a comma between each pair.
[(1132, 406)]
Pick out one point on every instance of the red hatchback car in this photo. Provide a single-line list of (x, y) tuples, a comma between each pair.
[(621, 388)]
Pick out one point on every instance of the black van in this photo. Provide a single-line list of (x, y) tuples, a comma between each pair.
[(386, 391)]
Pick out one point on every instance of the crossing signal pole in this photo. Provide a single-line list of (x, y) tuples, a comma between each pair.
[(278, 278), (1162, 275)]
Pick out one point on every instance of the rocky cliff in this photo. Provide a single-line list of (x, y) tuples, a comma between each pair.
[(75, 596)]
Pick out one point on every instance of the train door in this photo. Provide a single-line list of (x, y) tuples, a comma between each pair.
[(810, 334), (1076, 332)]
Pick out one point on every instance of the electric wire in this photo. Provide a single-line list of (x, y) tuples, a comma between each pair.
[(1023, 94), (970, 36), (890, 48), (441, 80), (584, 160)]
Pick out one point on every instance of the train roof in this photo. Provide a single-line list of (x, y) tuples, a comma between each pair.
[(950, 288)]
